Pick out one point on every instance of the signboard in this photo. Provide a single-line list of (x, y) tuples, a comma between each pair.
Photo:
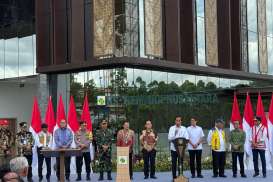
[(101, 101), (158, 99), (123, 164)]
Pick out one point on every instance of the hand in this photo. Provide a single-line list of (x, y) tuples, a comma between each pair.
[(4, 147), (105, 148), (28, 147), (8, 152), (195, 146), (82, 146)]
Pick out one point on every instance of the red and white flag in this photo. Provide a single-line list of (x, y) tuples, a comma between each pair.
[(35, 128), (72, 116), (87, 118), (73, 123), (248, 123), (36, 121), (86, 114), (270, 125), (50, 116), (235, 115)]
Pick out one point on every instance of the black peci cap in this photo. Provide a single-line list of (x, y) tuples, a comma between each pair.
[(23, 124), (44, 125)]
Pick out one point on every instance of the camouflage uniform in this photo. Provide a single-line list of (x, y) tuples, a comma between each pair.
[(25, 142), (104, 137), (6, 142)]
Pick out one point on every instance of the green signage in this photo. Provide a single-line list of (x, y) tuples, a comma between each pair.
[(160, 99)]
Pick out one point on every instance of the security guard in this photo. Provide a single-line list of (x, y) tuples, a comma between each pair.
[(104, 143), (25, 142), (83, 139), (6, 142)]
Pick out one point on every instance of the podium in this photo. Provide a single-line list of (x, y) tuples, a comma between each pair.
[(62, 153), (123, 164), (180, 146)]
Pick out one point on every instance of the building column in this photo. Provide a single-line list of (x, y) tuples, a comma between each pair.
[(211, 32), (63, 88), (43, 93), (263, 63)]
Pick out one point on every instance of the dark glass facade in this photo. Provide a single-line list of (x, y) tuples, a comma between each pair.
[(17, 38)]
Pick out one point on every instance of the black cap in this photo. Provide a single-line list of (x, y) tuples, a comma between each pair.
[(257, 118), (82, 122), (44, 125), (23, 124), (219, 121)]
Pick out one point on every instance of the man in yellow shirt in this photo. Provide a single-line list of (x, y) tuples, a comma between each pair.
[(217, 141)]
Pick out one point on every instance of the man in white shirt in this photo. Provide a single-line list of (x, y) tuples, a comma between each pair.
[(258, 140), (44, 141), (176, 131), (196, 136), (217, 141)]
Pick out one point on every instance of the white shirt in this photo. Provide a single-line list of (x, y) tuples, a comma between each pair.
[(222, 141), (195, 135), (177, 132), (44, 139)]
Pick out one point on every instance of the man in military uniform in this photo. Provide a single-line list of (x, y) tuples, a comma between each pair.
[(83, 139), (104, 143), (25, 142), (6, 142)]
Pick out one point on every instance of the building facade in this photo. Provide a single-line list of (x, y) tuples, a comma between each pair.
[(142, 59)]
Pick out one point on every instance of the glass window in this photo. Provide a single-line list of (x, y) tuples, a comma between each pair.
[(200, 37), (26, 56), (253, 52), (141, 28), (253, 59), (2, 59), (11, 58), (270, 54)]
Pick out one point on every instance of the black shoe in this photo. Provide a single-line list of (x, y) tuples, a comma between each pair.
[(200, 176), (222, 176), (40, 179), (192, 176), (255, 175), (234, 175), (215, 176), (67, 178), (79, 178), (264, 175), (29, 180), (101, 177), (146, 177), (88, 177), (47, 179), (243, 176), (109, 177), (153, 177)]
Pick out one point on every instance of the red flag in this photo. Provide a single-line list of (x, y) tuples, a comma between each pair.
[(235, 115), (248, 111), (260, 111), (60, 111), (49, 116), (270, 114), (72, 116), (36, 117), (86, 114)]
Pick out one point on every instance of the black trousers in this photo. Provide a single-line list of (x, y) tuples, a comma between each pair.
[(41, 159), (195, 155), (29, 160), (67, 161), (255, 153), (174, 156), (240, 156), (131, 164), (218, 162), (149, 162), (87, 160)]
